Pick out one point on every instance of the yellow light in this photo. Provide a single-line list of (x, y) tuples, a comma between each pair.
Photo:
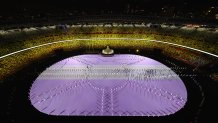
[(137, 50)]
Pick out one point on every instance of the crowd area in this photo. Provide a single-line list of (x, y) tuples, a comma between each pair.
[(32, 37)]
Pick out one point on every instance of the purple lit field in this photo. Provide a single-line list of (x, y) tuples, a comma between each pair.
[(120, 85)]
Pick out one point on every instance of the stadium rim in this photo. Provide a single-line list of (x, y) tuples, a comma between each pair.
[(78, 39)]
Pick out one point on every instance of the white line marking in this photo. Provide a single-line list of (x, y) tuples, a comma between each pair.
[(81, 39)]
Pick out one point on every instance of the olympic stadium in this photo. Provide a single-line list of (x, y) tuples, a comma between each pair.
[(109, 68)]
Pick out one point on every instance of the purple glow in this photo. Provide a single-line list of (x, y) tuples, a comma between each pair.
[(122, 85)]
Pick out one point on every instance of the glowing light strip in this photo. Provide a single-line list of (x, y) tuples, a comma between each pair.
[(80, 39), (33, 48), (186, 47)]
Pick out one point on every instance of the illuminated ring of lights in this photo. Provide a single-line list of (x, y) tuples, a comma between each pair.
[(78, 39)]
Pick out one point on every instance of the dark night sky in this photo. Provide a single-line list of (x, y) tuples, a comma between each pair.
[(15, 6)]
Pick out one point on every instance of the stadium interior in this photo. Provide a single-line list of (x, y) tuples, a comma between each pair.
[(94, 61)]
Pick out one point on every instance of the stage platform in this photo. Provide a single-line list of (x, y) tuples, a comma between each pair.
[(120, 85)]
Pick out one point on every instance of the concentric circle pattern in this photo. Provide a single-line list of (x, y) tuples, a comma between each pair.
[(120, 85)]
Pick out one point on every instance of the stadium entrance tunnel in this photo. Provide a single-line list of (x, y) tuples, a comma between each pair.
[(120, 85)]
